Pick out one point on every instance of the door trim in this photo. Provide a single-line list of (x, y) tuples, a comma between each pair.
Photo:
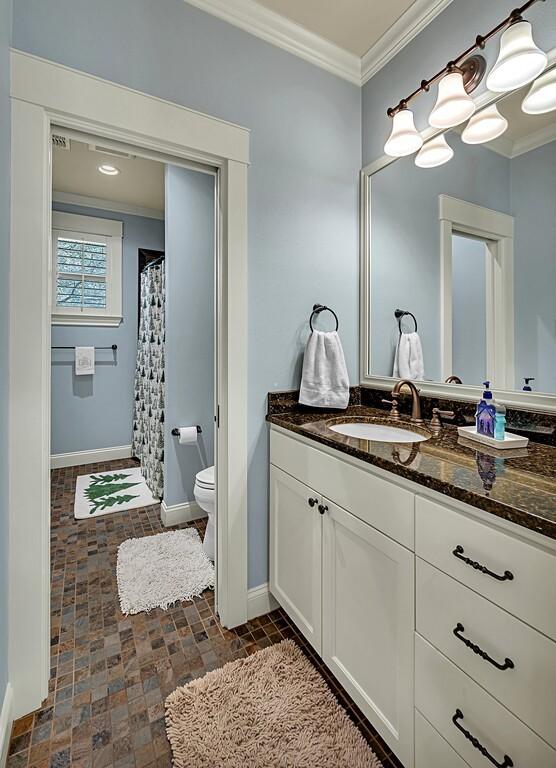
[(44, 94)]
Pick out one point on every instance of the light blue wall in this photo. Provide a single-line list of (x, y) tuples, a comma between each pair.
[(303, 178), (90, 412), (190, 261), (469, 309), (405, 238), (534, 208), (5, 35), (451, 32)]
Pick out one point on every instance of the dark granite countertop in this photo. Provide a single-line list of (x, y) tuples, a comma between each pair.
[(520, 487)]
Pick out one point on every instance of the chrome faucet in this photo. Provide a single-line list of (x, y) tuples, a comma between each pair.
[(415, 398)]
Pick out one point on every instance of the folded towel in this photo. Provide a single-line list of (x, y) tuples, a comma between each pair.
[(84, 361), (324, 381), (408, 361)]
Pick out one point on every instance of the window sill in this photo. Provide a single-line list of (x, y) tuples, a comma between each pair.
[(84, 319)]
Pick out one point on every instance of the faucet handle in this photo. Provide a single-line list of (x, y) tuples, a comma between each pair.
[(437, 416), (394, 413)]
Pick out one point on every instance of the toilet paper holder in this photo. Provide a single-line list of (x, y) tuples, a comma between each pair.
[(176, 431)]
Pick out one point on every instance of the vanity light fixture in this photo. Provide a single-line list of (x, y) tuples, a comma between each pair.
[(108, 170), (486, 125), (542, 95), (519, 60), (435, 152), (405, 138), (453, 105)]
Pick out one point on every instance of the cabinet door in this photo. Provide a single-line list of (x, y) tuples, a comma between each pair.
[(295, 552), (368, 620)]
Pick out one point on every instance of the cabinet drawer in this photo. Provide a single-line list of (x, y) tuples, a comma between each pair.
[(452, 701), (521, 577), (528, 688), (381, 503), (431, 750)]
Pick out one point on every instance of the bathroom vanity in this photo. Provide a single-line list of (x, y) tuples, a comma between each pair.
[(424, 575)]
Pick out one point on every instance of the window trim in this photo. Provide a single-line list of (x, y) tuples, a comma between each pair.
[(76, 225)]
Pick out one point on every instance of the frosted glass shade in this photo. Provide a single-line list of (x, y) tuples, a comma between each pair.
[(486, 125), (453, 105), (405, 138), (435, 152), (542, 95), (519, 60)]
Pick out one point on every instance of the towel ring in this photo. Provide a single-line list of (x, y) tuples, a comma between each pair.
[(399, 313), (317, 309)]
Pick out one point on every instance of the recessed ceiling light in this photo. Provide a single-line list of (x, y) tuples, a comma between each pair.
[(109, 170)]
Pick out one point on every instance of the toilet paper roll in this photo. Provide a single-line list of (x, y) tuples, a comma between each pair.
[(187, 435)]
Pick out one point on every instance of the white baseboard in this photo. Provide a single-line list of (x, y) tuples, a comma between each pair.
[(6, 724), (77, 458), (180, 513), (260, 601)]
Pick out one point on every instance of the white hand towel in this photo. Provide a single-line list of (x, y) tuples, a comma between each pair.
[(84, 361), (408, 361), (324, 381)]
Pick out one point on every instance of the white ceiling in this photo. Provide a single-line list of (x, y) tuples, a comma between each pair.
[(355, 25), (139, 183)]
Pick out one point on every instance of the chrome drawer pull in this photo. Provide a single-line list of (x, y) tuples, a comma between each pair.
[(458, 552), (508, 663), (508, 762)]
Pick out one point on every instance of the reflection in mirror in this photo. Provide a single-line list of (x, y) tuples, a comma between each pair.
[(469, 248), (469, 260)]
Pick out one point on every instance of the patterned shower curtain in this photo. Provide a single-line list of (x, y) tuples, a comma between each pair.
[(148, 420)]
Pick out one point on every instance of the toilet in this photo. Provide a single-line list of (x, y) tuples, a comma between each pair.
[(205, 496)]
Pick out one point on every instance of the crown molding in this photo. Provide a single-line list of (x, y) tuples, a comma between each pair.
[(402, 32), (268, 25), (280, 31), (71, 198)]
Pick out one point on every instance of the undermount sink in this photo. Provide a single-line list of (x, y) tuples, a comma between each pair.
[(380, 432)]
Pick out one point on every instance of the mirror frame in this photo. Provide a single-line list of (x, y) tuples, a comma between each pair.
[(532, 401)]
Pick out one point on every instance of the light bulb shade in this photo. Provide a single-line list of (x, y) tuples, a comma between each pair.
[(435, 152), (542, 95), (486, 125), (453, 105), (405, 138), (519, 60)]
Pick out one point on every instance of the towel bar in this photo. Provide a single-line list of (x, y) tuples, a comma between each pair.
[(114, 347)]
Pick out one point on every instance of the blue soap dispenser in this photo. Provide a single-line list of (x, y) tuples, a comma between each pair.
[(485, 414)]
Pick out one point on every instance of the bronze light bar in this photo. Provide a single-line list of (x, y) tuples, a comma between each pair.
[(472, 69)]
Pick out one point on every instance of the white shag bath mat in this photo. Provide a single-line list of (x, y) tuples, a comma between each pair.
[(156, 571), (113, 491)]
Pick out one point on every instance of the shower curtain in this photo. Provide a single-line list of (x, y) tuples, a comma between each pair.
[(148, 420)]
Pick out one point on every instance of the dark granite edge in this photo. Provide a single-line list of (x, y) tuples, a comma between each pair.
[(496, 508)]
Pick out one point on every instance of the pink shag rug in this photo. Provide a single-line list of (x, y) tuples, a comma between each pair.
[(270, 710)]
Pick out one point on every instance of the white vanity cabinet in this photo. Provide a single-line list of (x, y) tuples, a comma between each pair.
[(296, 552), (367, 622), (348, 587), (438, 621)]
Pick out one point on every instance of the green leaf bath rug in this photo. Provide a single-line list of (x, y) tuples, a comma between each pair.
[(103, 493)]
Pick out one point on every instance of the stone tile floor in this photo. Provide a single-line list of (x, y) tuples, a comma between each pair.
[(111, 673)]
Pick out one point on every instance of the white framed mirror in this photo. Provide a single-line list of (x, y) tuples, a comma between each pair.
[(463, 256)]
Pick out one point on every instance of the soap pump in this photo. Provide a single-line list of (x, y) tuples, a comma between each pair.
[(527, 386), (486, 413)]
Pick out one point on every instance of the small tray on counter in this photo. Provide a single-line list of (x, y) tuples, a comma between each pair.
[(510, 440)]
